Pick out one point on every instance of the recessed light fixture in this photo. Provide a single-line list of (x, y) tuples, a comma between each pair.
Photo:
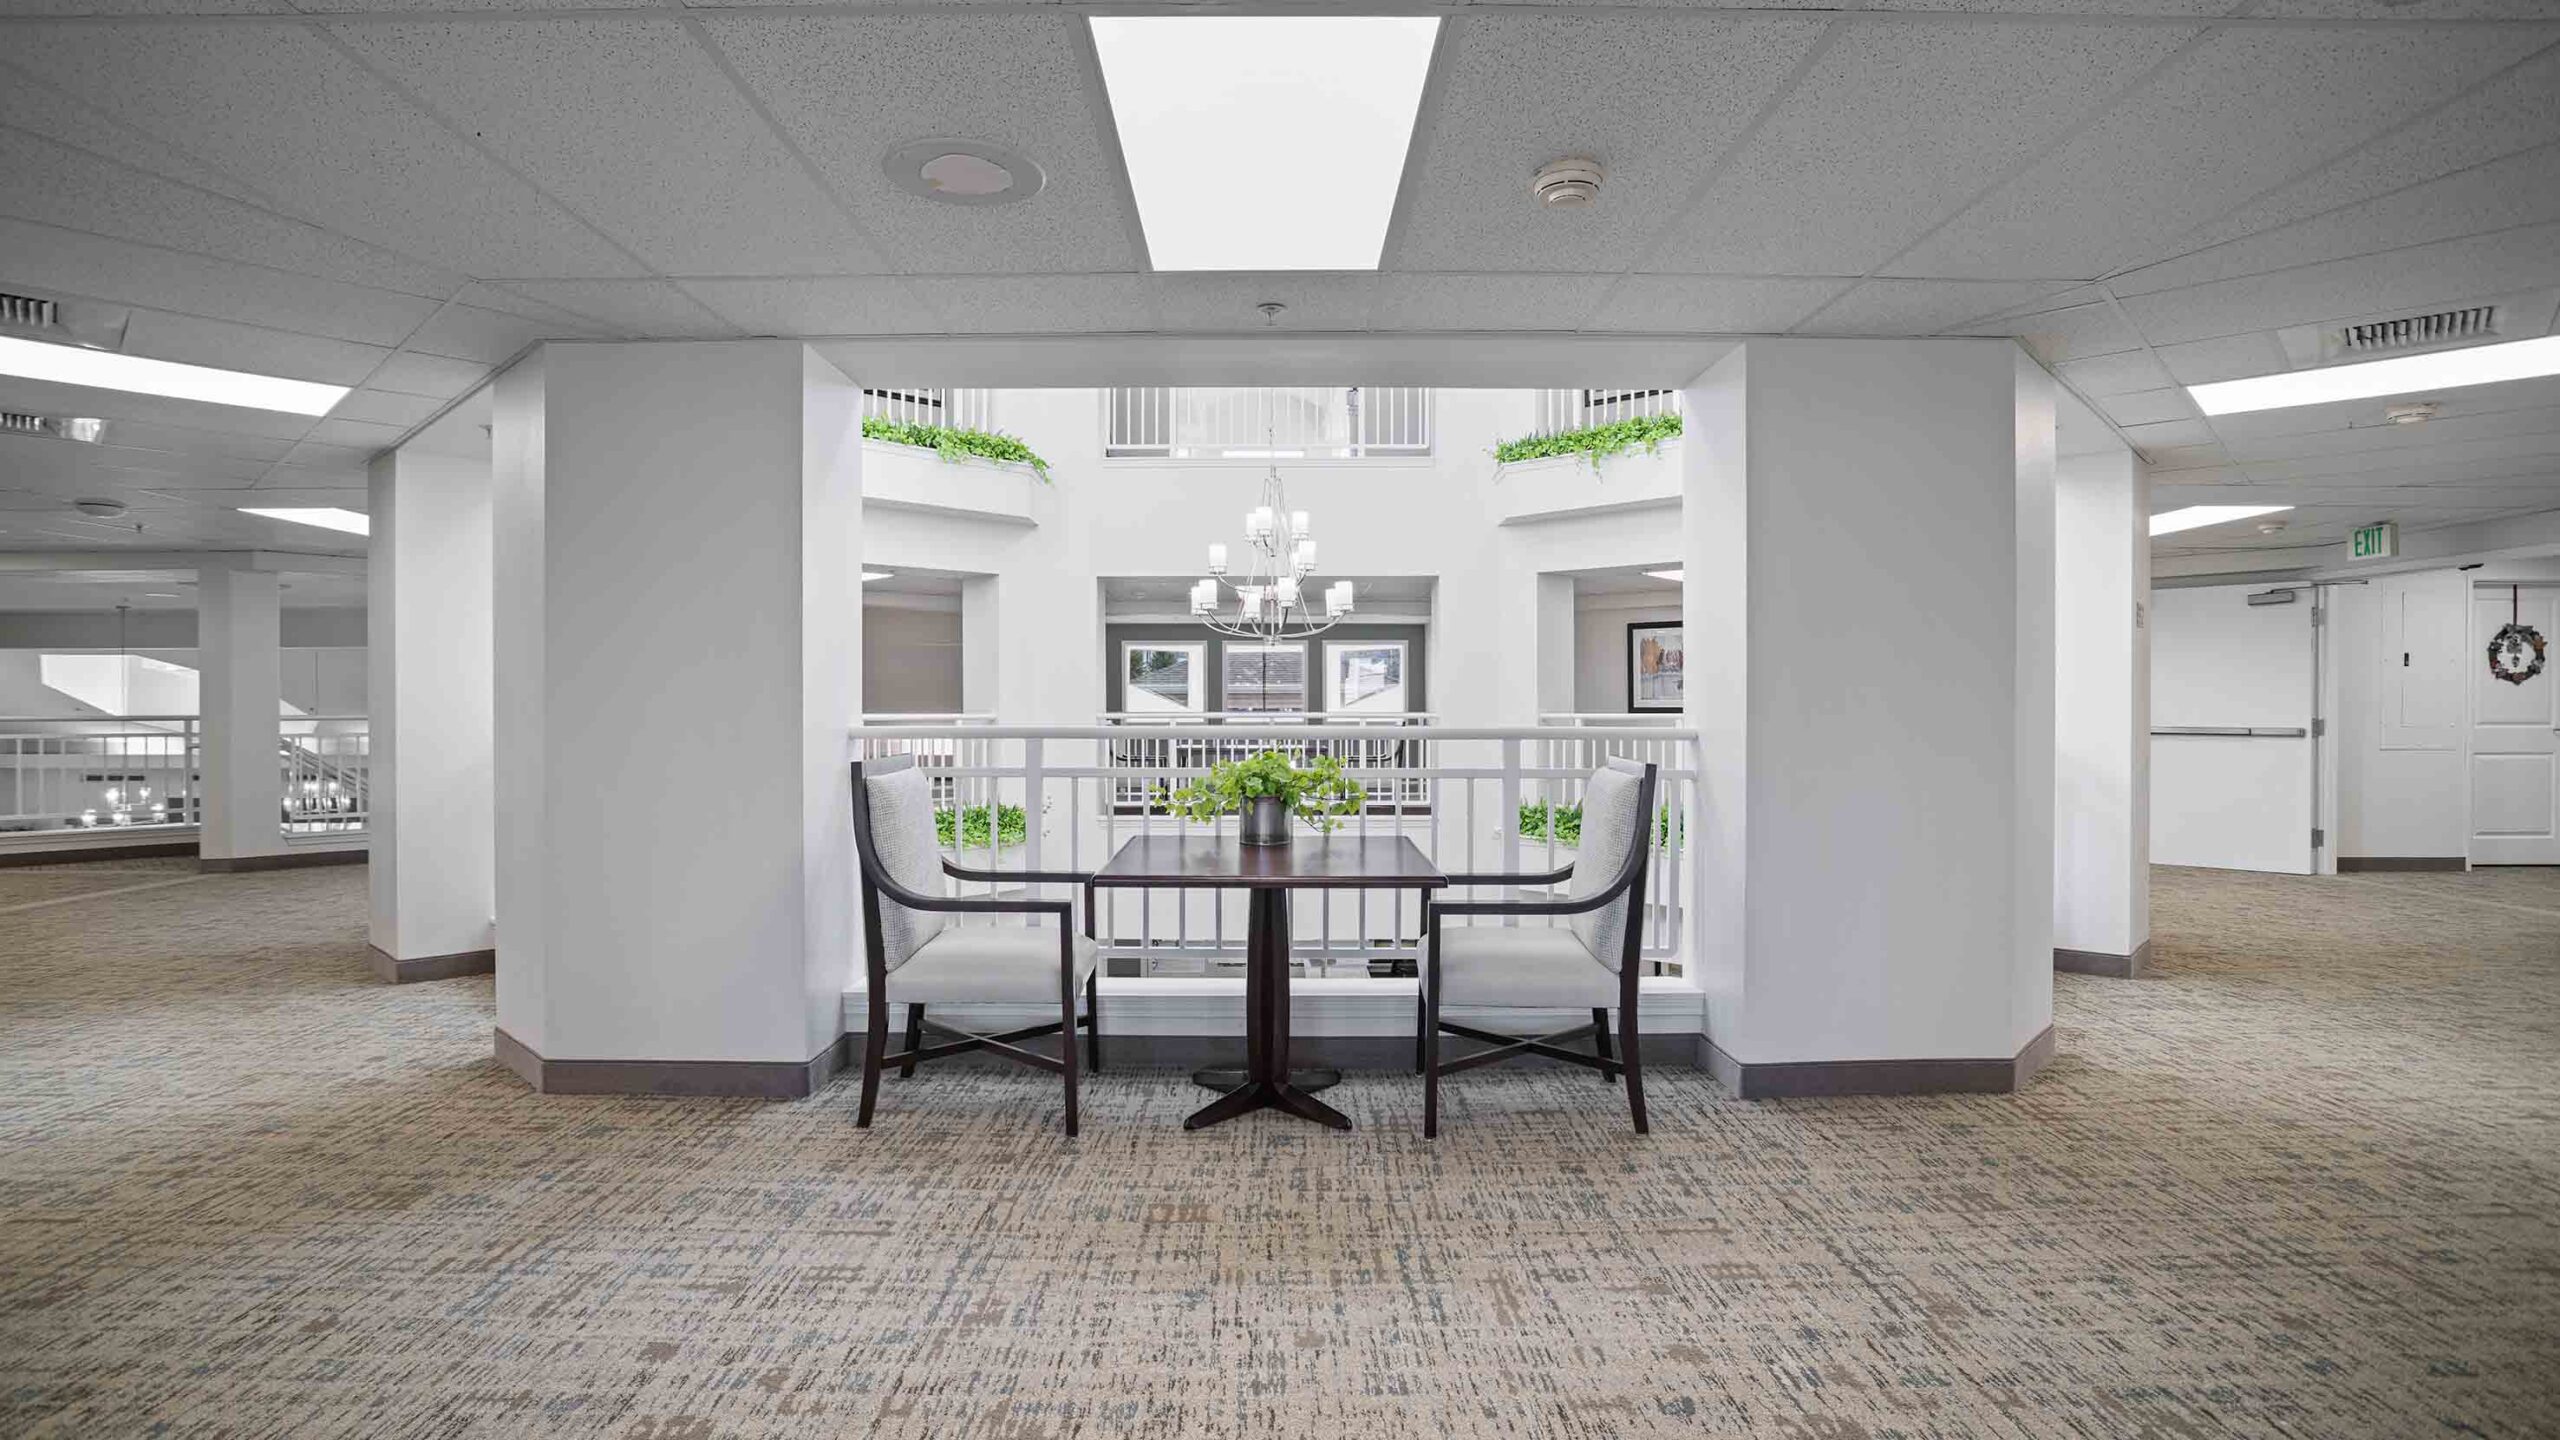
[(2417, 414), (870, 575), (327, 517), (1265, 142), (99, 509), (2170, 522), (1671, 575), (2437, 370), (107, 370), (964, 172)]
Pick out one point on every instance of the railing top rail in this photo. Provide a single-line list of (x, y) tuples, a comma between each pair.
[(94, 719), (1271, 717), (1230, 732)]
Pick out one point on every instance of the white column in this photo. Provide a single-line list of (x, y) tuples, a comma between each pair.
[(679, 663), (1868, 536), (237, 655), (981, 647), (429, 660), (1556, 639), (2102, 714)]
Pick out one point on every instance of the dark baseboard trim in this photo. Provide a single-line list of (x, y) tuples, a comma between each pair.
[(394, 971), (2099, 962), (2350, 864), (288, 860), (1795, 1079), (72, 854), (1341, 1052), (734, 1079)]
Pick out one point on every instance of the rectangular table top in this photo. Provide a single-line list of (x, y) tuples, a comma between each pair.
[(1212, 862)]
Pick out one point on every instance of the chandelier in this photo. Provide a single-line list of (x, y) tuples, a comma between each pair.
[(1273, 599)]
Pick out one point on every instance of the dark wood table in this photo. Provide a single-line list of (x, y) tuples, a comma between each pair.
[(1267, 874)]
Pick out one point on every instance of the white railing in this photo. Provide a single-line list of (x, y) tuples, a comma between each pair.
[(1267, 422), (326, 762), (112, 772), (1237, 734), (1473, 800), (1606, 717), (1560, 410), (958, 409)]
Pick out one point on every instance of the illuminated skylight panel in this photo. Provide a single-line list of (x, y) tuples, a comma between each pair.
[(2403, 375), (1265, 142), (2196, 517), (107, 370), (325, 516)]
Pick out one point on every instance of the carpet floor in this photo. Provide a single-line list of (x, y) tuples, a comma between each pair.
[(2303, 1180)]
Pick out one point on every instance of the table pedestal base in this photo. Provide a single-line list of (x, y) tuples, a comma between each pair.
[(1223, 1078), (1266, 1082), (1266, 1095)]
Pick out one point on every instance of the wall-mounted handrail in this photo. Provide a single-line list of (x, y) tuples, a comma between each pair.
[(2237, 732)]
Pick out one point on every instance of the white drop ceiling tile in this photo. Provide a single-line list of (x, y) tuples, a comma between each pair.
[(2404, 10), (57, 185), (2145, 407), (434, 376), (2168, 435), (43, 260), (30, 105), (643, 309), (2073, 332), (632, 126), (2168, 458), (358, 433), (491, 337), (2513, 111), (2491, 457), (297, 120), (2244, 110), (1037, 304), (2228, 357), (1522, 89), (1224, 302), (2112, 374), (254, 348), (849, 88), (1925, 307), (1707, 304), (1486, 302), (1892, 127), (2451, 272), (2519, 190), (385, 407), (136, 436), (828, 305), (2199, 477)]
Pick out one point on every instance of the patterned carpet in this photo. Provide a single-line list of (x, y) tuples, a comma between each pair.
[(2304, 1182)]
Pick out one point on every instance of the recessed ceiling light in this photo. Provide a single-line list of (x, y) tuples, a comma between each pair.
[(870, 575), (106, 370), (327, 517), (1671, 575), (964, 172), (2438, 370), (1265, 142), (2170, 522)]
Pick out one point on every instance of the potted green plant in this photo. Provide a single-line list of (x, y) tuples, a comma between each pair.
[(1266, 789)]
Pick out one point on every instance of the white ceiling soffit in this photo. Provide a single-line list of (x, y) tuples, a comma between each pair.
[(397, 198)]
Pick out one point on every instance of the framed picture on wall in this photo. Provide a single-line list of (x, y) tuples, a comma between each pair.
[(1364, 675), (1653, 668)]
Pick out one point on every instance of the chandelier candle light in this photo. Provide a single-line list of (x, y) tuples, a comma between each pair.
[(1273, 600)]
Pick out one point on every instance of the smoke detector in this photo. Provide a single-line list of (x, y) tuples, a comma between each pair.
[(2416, 413), (99, 509), (1574, 180)]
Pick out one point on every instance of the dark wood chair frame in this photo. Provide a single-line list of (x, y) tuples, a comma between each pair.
[(1429, 1027), (877, 882)]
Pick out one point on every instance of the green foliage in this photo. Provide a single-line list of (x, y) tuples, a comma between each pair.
[(970, 826), (1597, 442), (952, 444), (1568, 822), (1316, 792)]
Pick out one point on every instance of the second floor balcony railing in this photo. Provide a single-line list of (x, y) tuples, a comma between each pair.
[(146, 772), (1269, 422), (956, 409), (1562, 410)]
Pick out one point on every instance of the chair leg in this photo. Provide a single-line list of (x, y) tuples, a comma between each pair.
[(1600, 1043), (1067, 1042), (1093, 1023), (875, 1040), (915, 1040), (1421, 1027), (1630, 1044), (1431, 1049)]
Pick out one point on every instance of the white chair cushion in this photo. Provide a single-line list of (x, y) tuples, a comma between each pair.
[(1527, 965), (1609, 828), (970, 964), (902, 828)]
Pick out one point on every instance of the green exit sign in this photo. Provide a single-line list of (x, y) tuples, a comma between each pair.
[(2378, 542)]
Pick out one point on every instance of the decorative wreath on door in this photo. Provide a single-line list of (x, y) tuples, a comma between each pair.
[(2515, 641)]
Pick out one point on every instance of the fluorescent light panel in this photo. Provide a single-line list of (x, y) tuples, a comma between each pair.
[(2404, 375), (1671, 575), (870, 575), (107, 370), (2194, 517), (1265, 142), (326, 517)]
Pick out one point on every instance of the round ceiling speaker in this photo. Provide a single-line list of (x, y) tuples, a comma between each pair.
[(964, 172), (102, 509), (1570, 181)]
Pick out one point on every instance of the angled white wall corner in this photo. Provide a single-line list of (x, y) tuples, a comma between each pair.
[(1869, 554), (239, 654), (2102, 708), (668, 588)]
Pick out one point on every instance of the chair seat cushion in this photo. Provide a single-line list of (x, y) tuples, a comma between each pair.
[(1003, 964), (1527, 965)]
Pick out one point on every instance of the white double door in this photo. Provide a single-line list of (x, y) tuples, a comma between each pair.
[(2233, 686), (2515, 735)]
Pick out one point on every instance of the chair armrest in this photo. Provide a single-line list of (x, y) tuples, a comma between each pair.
[(1550, 877), (1035, 877), (951, 905)]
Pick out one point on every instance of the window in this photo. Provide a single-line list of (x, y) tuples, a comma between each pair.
[(1265, 678), (1364, 676), (1162, 678)]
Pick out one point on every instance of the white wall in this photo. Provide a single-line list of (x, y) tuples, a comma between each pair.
[(2102, 706), (2220, 801)]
